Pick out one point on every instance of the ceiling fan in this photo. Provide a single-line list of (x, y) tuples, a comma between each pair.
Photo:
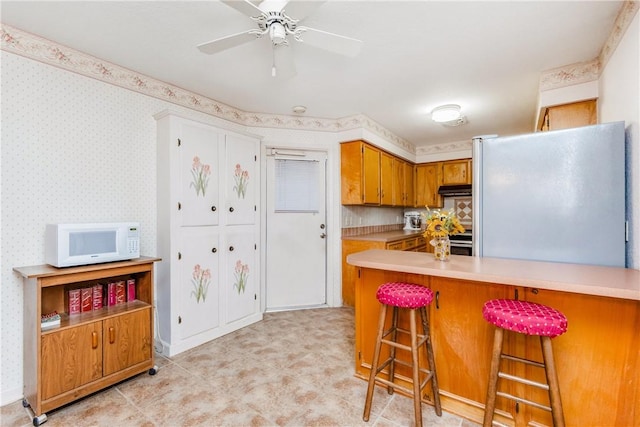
[(272, 20)]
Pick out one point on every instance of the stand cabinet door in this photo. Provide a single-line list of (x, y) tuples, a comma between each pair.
[(241, 180), (198, 287), (241, 282), (198, 195), (127, 340), (456, 172), (70, 358), (426, 184)]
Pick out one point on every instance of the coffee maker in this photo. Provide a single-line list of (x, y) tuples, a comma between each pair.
[(412, 221)]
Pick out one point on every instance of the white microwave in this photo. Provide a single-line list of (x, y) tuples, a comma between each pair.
[(67, 245)]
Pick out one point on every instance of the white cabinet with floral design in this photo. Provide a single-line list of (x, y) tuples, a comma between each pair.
[(208, 232)]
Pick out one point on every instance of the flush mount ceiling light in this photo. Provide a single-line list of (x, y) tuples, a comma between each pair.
[(446, 113)]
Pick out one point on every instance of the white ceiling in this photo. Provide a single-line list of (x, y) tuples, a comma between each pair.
[(486, 56)]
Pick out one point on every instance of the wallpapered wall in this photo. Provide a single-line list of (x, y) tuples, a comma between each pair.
[(73, 150)]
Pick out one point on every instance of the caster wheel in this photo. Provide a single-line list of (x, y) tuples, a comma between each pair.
[(39, 420), (153, 370), (25, 404)]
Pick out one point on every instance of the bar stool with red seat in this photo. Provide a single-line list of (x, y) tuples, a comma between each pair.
[(413, 298), (527, 318)]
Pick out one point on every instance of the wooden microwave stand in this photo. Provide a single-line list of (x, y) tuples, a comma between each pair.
[(88, 351)]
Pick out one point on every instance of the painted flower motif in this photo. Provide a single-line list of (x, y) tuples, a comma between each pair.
[(241, 273), (241, 178), (200, 281), (200, 174)]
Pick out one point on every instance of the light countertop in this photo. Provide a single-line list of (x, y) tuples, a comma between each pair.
[(614, 282), (386, 236)]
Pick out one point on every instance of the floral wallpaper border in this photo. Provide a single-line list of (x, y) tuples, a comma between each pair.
[(588, 71), (40, 49)]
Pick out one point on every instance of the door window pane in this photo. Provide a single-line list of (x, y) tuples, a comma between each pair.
[(296, 185)]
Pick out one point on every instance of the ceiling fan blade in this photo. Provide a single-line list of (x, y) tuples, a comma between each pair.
[(244, 6), (283, 62), (329, 41), (301, 9), (224, 43)]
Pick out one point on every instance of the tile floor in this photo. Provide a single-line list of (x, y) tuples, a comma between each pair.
[(294, 368)]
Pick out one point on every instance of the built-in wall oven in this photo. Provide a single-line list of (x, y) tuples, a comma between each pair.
[(462, 244)]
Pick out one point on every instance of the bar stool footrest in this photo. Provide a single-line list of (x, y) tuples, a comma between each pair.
[(522, 400)]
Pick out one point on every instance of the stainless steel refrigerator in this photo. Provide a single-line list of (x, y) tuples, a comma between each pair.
[(551, 196)]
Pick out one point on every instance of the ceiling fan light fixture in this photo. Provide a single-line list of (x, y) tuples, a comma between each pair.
[(278, 33), (446, 113)]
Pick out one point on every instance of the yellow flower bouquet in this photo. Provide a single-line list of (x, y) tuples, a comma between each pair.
[(440, 225)]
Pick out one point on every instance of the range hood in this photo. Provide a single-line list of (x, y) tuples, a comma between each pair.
[(455, 190)]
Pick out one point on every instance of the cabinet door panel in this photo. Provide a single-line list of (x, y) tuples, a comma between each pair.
[(70, 358), (427, 186), (371, 176), (240, 286), (241, 180), (199, 177), (462, 339), (456, 172), (127, 340), (199, 281), (388, 183)]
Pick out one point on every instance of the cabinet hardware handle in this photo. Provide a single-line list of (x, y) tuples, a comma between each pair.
[(94, 340), (437, 300), (179, 206), (213, 209), (534, 291), (179, 320), (231, 209), (214, 250), (323, 235), (112, 335), (231, 248), (322, 226), (515, 294), (179, 255)]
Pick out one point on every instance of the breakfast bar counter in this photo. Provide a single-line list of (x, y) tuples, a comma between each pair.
[(597, 359)]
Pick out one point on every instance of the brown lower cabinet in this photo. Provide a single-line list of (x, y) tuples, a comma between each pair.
[(597, 359), (88, 351)]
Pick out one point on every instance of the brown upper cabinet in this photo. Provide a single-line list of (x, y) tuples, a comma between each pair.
[(370, 176), (456, 172), (566, 116), (427, 183)]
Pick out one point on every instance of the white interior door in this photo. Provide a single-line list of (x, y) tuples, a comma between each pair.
[(296, 248)]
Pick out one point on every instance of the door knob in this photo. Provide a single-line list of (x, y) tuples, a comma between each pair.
[(323, 235)]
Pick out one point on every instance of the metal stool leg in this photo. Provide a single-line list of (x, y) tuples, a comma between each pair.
[(374, 364), (431, 359), (492, 388), (552, 379)]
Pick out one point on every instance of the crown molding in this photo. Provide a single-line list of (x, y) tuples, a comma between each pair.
[(31, 46)]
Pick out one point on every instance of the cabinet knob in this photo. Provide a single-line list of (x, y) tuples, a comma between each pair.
[(230, 248), (214, 250), (231, 209), (213, 209)]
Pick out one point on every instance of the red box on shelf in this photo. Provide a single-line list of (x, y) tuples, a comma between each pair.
[(111, 294), (74, 301), (131, 289), (97, 297), (86, 299), (121, 296)]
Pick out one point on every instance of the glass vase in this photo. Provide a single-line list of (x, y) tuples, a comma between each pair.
[(442, 248)]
